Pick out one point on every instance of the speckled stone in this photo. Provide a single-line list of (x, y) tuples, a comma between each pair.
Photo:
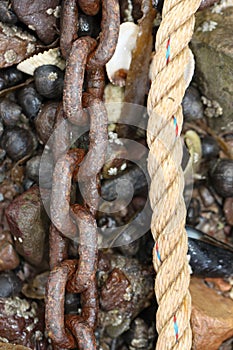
[(212, 317), (213, 50), (22, 323)]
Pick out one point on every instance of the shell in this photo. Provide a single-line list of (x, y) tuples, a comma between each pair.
[(119, 64), (52, 56)]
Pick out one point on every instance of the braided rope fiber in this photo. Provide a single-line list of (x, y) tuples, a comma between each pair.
[(172, 70)]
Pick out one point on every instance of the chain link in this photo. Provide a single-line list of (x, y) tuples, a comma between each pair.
[(84, 56)]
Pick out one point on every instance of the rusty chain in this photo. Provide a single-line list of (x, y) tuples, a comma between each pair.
[(83, 55)]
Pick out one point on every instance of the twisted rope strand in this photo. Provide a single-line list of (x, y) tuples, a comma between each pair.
[(172, 69)]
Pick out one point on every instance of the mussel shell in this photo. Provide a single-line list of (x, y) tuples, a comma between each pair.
[(49, 81), (209, 257)]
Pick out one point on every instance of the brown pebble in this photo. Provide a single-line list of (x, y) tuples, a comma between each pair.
[(211, 318), (16, 45), (219, 284), (206, 196), (39, 16), (228, 210), (7, 346), (8, 257), (45, 120), (114, 291), (21, 322), (27, 220)]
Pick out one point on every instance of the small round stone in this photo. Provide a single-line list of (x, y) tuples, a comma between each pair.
[(17, 142)]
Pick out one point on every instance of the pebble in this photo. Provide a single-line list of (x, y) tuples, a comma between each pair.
[(21, 322), (16, 45), (212, 47), (10, 77), (192, 105), (127, 290), (6, 13), (206, 196), (10, 112), (45, 120), (28, 224), (228, 210), (17, 142), (36, 15), (210, 147), (211, 318), (36, 288), (1, 128), (32, 168), (30, 101), (193, 212), (221, 177), (7, 346), (9, 258), (49, 81), (10, 284)]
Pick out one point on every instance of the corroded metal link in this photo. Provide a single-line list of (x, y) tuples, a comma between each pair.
[(87, 249), (61, 188), (54, 313), (96, 82), (83, 333), (94, 160), (58, 244), (61, 134), (69, 26), (79, 276), (110, 25), (74, 77)]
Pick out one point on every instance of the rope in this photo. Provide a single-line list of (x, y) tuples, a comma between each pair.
[(172, 70)]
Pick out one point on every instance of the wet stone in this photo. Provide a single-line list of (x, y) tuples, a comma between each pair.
[(8, 257), (30, 101), (7, 346), (192, 105), (221, 177), (228, 210), (126, 291), (32, 168), (17, 142), (10, 77), (211, 319), (40, 16), (45, 120), (21, 322), (212, 47), (10, 284), (16, 45), (6, 13), (10, 112), (28, 223)]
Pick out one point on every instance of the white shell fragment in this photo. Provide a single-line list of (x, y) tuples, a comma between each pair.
[(52, 56), (119, 64)]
